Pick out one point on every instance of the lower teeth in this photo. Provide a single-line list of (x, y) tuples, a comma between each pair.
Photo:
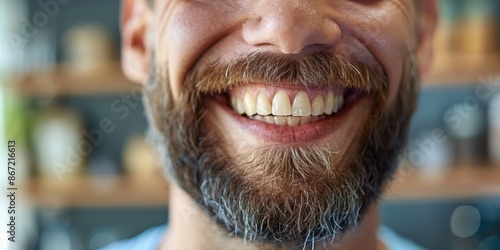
[(287, 120)]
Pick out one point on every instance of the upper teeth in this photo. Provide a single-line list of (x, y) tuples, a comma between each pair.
[(282, 106), (263, 105)]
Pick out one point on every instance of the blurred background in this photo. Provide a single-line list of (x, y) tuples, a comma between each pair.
[(86, 177)]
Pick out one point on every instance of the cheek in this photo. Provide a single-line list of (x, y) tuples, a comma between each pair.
[(389, 35), (178, 40), (182, 40), (399, 52)]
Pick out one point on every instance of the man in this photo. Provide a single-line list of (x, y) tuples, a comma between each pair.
[(278, 122)]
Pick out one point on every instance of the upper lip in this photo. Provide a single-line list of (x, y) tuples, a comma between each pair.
[(320, 69)]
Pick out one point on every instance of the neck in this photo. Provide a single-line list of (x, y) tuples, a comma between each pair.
[(190, 228)]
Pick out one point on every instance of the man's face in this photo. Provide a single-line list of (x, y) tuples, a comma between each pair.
[(282, 119)]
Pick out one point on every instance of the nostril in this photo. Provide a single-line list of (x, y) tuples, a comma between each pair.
[(291, 31)]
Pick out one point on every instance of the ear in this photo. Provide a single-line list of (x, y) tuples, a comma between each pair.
[(136, 48), (427, 14)]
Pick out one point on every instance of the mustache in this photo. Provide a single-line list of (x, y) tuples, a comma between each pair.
[(319, 69)]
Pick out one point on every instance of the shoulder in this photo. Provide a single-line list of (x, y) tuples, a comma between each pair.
[(393, 241), (147, 240), (151, 238)]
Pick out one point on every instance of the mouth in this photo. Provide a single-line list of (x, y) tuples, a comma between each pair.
[(291, 115), (287, 107)]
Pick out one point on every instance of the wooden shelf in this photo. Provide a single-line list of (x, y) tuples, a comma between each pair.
[(96, 192), (453, 183), (462, 69), (63, 80)]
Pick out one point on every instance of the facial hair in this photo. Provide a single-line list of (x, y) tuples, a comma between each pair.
[(281, 195)]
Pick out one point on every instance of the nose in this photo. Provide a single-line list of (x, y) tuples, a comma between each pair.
[(291, 26)]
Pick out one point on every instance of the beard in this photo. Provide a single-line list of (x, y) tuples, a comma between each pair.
[(282, 195)]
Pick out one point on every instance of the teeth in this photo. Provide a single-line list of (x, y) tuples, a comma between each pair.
[(249, 104), (336, 105), (339, 102), (293, 121), (280, 120), (284, 120), (263, 105), (237, 105), (259, 118), (281, 112), (329, 103), (301, 105), (318, 106), (305, 120), (269, 119), (281, 104)]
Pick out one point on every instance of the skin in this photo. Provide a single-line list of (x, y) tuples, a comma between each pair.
[(189, 34)]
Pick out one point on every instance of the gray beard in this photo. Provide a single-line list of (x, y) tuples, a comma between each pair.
[(291, 195)]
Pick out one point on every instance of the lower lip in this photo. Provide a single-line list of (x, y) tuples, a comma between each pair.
[(294, 134)]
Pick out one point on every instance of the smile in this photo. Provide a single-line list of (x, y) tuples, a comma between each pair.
[(287, 107), (291, 115)]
